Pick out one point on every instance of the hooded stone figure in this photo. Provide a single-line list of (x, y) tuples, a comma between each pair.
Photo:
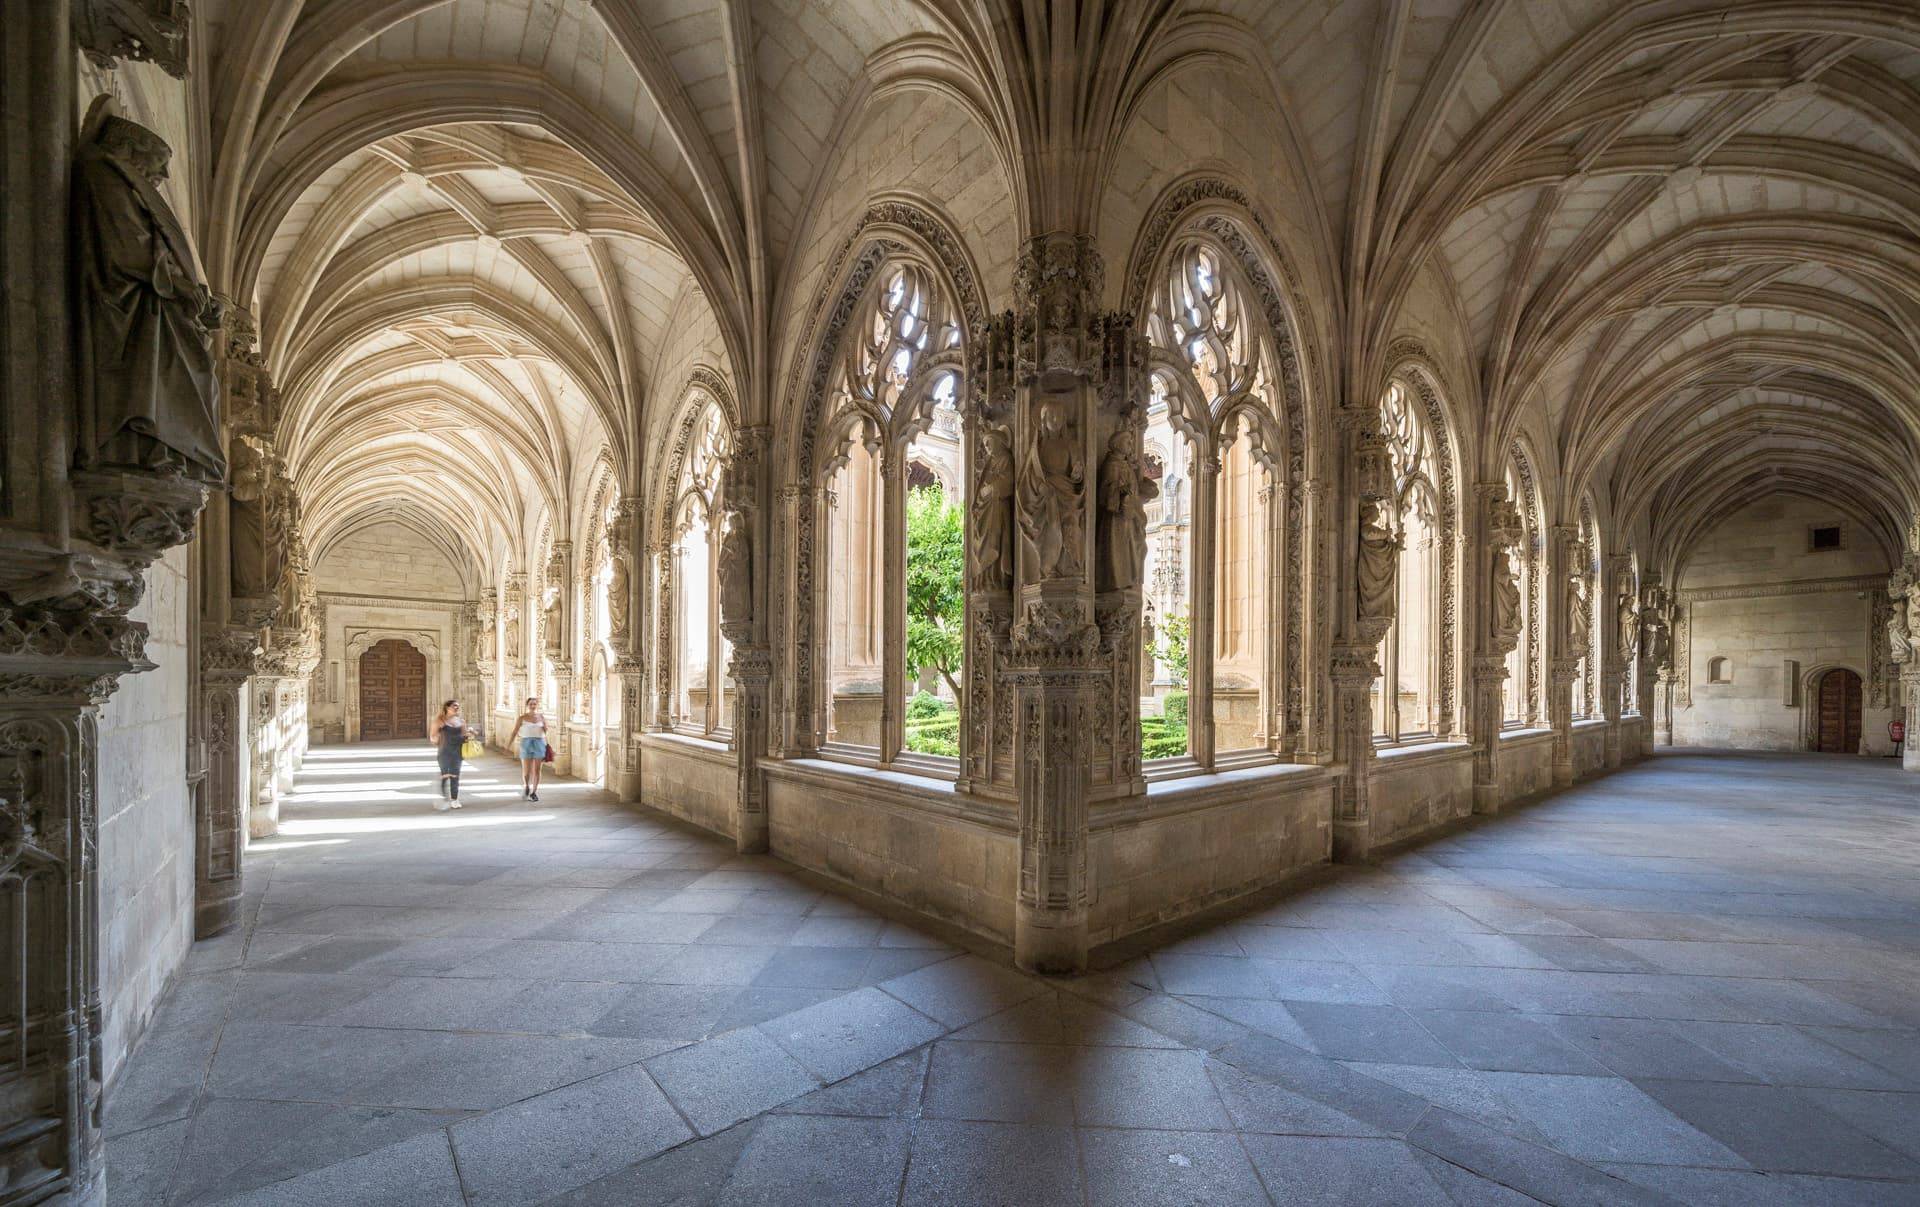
[(144, 321)]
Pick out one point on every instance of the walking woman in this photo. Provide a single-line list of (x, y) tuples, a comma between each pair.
[(449, 733), (530, 731)]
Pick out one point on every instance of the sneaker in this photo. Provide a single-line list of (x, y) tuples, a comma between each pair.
[(456, 802), (534, 796)]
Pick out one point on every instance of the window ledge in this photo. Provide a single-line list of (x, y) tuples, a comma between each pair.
[(1165, 798), (1421, 752), (1535, 734), (895, 789), (1590, 723), (703, 746)]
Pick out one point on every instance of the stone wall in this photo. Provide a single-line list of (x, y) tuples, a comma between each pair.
[(1777, 613), (1188, 847), (389, 559), (912, 840), (693, 780), (1414, 791), (146, 818)]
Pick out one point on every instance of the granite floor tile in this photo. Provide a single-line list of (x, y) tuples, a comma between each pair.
[(1778, 1129), (957, 1161), (820, 1159), (1338, 1172), (1152, 1168), (721, 1080)]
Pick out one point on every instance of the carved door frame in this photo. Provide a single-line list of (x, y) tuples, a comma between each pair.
[(359, 641), (1812, 681)]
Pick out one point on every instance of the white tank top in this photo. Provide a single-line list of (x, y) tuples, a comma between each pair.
[(532, 729)]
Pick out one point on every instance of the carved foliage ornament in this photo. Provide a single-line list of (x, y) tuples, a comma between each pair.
[(153, 31)]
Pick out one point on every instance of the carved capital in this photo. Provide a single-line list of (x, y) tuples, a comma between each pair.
[(137, 516)]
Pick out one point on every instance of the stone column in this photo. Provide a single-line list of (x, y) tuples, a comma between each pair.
[(1497, 612), (1614, 647), (263, 748), (1370, 601), (1563, 662), (86, 514), (228, 657), (1910, 692), (741, 570), (1055, 401)]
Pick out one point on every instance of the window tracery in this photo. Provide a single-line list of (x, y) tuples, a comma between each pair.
[(1407, 697), (894, 520), (1212, 684)]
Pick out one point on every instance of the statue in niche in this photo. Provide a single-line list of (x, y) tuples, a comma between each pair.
[(1506, 592), (483, 635), (618, 601), (735, 569), (1124, 494), (1626, 620), (993, 513), (1379, 562), (513, 632), (143, 321), (1579, 617), (1657, 636), (1051, 489), (256, 555), (550, 623), (1899, 636)]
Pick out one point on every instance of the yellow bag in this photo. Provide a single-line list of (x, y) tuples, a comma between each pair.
[(472, 749)]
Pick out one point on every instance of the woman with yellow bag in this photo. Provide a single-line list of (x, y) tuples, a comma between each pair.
[(456, 742)]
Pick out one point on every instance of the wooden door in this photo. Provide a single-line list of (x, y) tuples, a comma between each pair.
[(393, 692), (1839, 731)]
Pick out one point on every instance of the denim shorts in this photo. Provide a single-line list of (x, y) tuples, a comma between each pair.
[(533, 748)]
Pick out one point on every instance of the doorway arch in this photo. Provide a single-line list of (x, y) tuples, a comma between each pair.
[(1834, 705), (393, 691)]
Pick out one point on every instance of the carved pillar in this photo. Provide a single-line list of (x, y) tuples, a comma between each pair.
[(1055, 400), (1615, 645), (666, 564), (741, 570), (1497, 631), (263, 724), (555, 627), (1910, 693), (227, 660), (518, 619), (1371, 597), (85, 509), (1563, 663)]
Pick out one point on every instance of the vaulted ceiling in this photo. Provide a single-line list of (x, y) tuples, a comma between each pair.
[(1680, 239)]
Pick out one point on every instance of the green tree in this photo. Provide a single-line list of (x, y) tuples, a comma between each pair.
[(936, 562)]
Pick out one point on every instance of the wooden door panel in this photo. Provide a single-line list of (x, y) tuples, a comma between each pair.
[(393, 692), (1839, 720)]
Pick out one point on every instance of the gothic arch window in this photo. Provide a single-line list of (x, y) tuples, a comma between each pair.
[(701, 700), (1629, 638), (1408, 696), (1521, 697), (894, 512), (1215, 537)]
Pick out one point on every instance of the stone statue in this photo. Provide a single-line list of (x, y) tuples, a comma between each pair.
[(513, 632), (1506, 592), (1579, 616), (1122, 531), (618, 600), (483, 636), (735, 569), (1379, 562), (993, 514), (1659, 638), (1899, 636), (1052, 486), (550, 623), (1626, 618), (144, 322), (256, 559)]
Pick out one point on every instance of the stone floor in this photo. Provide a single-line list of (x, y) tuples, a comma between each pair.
[(1697, 981)]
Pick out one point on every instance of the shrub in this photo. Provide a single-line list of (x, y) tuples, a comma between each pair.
[(925, 706), (1175, 706)]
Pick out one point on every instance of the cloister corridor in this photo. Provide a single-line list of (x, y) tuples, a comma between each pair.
[(1695, 981)]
